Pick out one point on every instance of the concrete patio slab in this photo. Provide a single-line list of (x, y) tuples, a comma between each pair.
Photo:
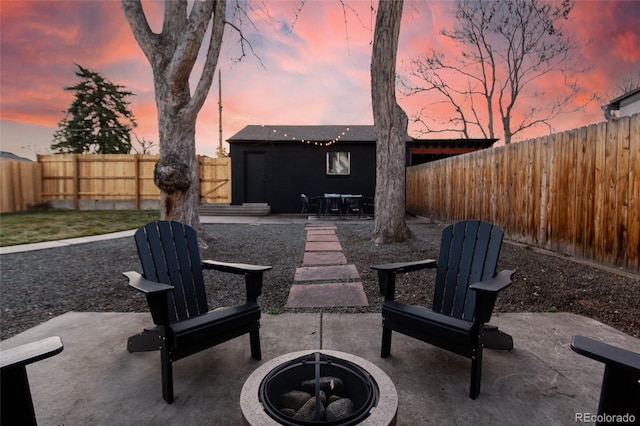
[(324, 258), (326, 295), (326, 273), (96, 381), (322, 246)]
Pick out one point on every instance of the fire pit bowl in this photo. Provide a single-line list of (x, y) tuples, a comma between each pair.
[(365, 389), (318, 376)]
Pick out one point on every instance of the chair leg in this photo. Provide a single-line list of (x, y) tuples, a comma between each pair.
[(254, 339), (476, 373), (17, 405), (386, 342), (167, 375), (620, 391)]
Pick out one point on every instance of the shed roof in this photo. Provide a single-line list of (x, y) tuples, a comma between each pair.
[(339, 133), (334, 133)]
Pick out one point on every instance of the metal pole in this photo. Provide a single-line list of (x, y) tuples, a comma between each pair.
[(220, 112)]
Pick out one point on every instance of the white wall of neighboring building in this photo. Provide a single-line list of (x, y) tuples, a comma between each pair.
[(630, 105)]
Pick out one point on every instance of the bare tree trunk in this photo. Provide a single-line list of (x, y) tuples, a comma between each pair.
[(390, 123), (172, 54), (176, 172)]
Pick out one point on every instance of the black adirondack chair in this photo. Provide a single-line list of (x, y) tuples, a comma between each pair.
[(620, 391), (465, 292), (173, 284), (15, 394)]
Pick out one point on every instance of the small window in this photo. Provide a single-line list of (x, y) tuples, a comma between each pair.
[(338, 163)]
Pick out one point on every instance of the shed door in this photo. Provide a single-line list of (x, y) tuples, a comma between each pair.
[(255, 178)]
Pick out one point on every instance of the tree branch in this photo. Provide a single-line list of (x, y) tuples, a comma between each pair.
[(189, 41), (211, 62), (147, 39)]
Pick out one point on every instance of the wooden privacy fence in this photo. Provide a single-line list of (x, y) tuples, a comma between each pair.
[(20, 182), (576, 192), (88, 177)]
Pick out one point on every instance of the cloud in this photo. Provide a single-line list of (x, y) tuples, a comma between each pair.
[(627, 45), (317, 70)]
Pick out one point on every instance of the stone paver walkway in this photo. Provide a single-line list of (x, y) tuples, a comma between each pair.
[(323, 264)]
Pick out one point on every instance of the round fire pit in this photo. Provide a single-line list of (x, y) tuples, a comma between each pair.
[(319, 388)]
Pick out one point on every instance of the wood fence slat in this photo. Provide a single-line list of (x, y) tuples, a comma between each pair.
[(611, 174), (534, 224), (633, 254), (589, 177), (599, 192), (571, 194), (622, 193), (579, 188), (553, 184), (542, 234)]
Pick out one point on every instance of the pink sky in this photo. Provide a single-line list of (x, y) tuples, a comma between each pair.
[(314, 73)]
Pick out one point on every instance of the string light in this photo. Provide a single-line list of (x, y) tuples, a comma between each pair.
[(315, 143)]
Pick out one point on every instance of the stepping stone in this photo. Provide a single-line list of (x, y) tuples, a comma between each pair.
[(335, 272), (323, 237), (327, 295), (324, 258), (322, 246), (321, 232)]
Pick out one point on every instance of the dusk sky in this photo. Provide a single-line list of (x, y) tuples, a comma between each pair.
[(312, 73)]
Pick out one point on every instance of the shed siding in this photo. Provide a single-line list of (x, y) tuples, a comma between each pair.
[(293, 168)]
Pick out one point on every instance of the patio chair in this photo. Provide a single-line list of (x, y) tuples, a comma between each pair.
[(355, 205), (15, 397), (465, 292), (310, 203), (332, 204), (620, 391), (173, 284)]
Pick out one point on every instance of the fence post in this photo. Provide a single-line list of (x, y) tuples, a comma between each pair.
[(76, 182), (136, 180), (198, 177)]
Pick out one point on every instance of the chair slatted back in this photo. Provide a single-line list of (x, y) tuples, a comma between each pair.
[(468, 253), (169, 254)]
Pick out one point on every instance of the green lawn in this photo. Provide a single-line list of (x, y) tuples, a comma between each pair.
[(35, 227)]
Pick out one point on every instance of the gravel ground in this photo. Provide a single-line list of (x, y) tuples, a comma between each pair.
[(38, 285)]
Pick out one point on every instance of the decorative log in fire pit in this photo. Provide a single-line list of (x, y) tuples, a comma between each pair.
[(319, 388)]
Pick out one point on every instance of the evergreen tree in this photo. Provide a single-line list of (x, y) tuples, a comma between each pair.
[(98, 120)]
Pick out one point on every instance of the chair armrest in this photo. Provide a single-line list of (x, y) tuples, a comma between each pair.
[(495, 284), (156, 294), (138, 282), (487, 292), (405, 266), (387, 274), (234, 268), (30, 352), (252, 273), (605, 353)]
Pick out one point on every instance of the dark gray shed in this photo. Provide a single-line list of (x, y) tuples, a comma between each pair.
[(275, 164)]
